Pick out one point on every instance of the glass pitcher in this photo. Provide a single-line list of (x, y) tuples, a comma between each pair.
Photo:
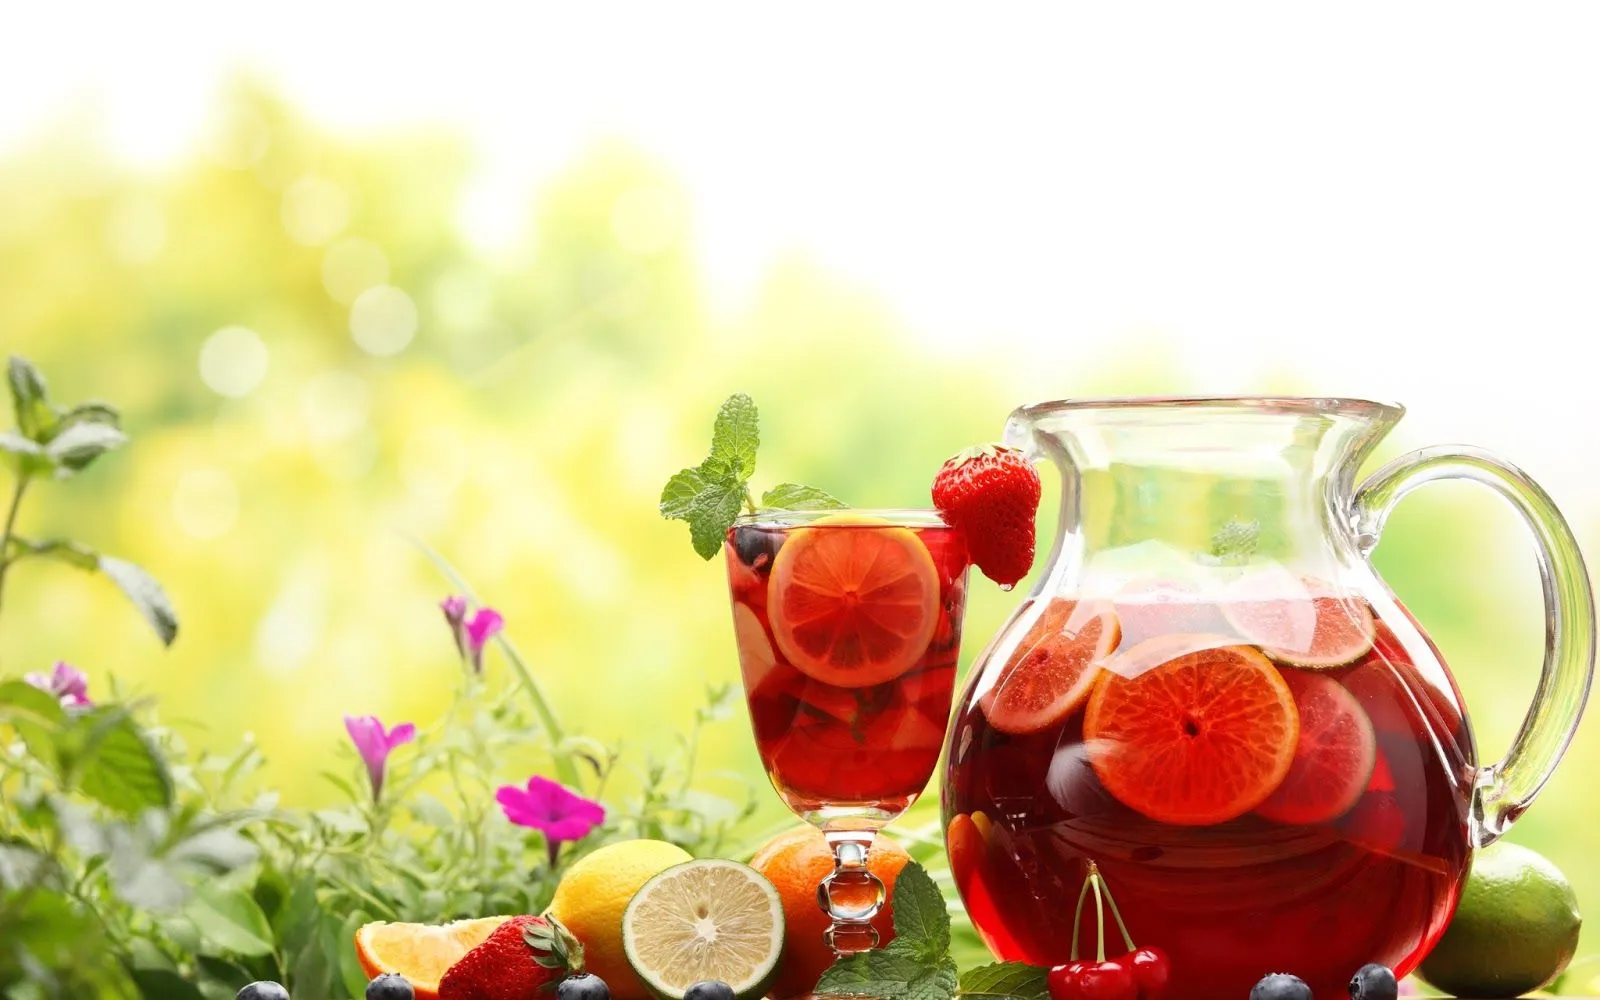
[(1212, 697)]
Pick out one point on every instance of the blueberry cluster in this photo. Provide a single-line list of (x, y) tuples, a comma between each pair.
[(389, 986), (1371, 982)]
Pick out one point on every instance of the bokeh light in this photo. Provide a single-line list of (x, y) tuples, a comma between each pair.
[(383, 320), (315, 210), (233, 361)]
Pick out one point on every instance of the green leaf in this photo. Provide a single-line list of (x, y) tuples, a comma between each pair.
[(117, 763), (26, 457), (38, 719), (164, 984), (736, 435), (355, 978), (679, 495), (230, 920), (1006, 981), (60, 549), (75, 448), (90, 413), (713, 514), (1235, 542), (146, 594), (30, 401), (20, 864), (792, 496), (920, 917)]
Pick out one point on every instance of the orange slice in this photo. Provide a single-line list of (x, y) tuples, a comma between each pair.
[(1053, 668), (1202, 737), (853, 600), (422, 953)]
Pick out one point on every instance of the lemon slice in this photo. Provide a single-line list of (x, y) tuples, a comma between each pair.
[(701, 920)]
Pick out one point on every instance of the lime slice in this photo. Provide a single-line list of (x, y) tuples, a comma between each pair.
[(701, 920)]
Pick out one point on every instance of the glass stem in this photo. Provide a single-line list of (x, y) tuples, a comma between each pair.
[(851, 895)]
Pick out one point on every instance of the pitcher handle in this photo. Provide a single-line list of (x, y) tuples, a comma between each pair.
[(1506, 788)]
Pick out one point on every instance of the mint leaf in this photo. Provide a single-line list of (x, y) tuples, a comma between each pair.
[(118, 764), (792, 496), (713, 514), (916, 965), (1006, 981), (146, 594), (679, 495), (736, 435), (920, 917), (75, 448), (1235, 542)]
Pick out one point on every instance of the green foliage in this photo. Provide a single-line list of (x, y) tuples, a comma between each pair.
[(710, 495), (49, 440)]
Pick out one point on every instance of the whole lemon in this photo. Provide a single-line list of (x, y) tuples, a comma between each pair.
[(1514, 931), (593, 895)]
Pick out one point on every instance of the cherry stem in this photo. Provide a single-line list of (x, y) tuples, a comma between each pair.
[(1100, 918), (1077, 920), (1126, 938)]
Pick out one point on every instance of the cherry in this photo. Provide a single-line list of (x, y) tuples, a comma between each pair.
[(1151, 969), (1107, 980), (1063, 981)]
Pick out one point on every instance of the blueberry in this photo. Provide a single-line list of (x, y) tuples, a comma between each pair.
[(583, 986), (1374, 982), (1280, 986), (757, 547), (265, 990), (390, 986), (711, 989)]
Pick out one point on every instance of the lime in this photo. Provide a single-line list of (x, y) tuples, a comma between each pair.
[(702, 920), (1514, 932), (592, 896)]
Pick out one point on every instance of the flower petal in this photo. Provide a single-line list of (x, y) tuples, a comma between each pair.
[(484, 625), (400, 735), (568, 828), (366, 732)]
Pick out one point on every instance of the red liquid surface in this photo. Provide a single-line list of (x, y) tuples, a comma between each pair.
[(867, 748), (1233, 900)]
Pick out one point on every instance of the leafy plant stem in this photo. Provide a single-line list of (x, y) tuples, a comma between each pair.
[(566, 770), (11, 524), (749, 501)]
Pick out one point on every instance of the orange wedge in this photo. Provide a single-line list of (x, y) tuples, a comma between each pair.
[(853, 601), (422, 953)]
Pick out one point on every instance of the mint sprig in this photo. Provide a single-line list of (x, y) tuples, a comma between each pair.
[(710, 495), (917, 965)]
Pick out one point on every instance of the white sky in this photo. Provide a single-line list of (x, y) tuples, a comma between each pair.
[(1391, 200)]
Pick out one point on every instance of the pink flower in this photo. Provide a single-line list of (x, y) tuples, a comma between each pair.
[(374, 744), (485, 625), (471, 634), (551, 808), (66, 682)]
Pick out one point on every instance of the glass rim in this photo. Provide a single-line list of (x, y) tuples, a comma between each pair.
[(1351, 406), (893, 517)]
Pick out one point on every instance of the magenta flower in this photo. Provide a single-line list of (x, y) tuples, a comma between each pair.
[(374, 744), (485, 625), (66, 682), (551, 808), (471, 634)]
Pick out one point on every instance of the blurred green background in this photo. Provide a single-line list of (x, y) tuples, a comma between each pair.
[(315, 368)]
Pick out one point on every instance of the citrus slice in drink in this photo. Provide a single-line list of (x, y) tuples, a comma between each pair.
[(422, 953), (1333, 758), (1201, 737), (701, 920), (1300, 620), (1053, 668), (853, 601)]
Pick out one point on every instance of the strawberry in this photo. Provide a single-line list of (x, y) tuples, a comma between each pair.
[(523, 959), (991, 494)]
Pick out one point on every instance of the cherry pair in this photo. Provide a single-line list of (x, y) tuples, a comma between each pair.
[(1141, 974)]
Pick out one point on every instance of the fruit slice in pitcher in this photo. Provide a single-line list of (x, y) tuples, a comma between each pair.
[(1201, 737), (853, 604), (1300, 620), (1333, 759), (1053, 668)]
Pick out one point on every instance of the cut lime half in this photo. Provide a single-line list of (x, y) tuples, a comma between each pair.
[(701, 920)]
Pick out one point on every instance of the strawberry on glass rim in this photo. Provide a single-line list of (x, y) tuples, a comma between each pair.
[(991, 495)]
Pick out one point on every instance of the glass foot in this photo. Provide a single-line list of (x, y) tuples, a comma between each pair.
[(851, 895)]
